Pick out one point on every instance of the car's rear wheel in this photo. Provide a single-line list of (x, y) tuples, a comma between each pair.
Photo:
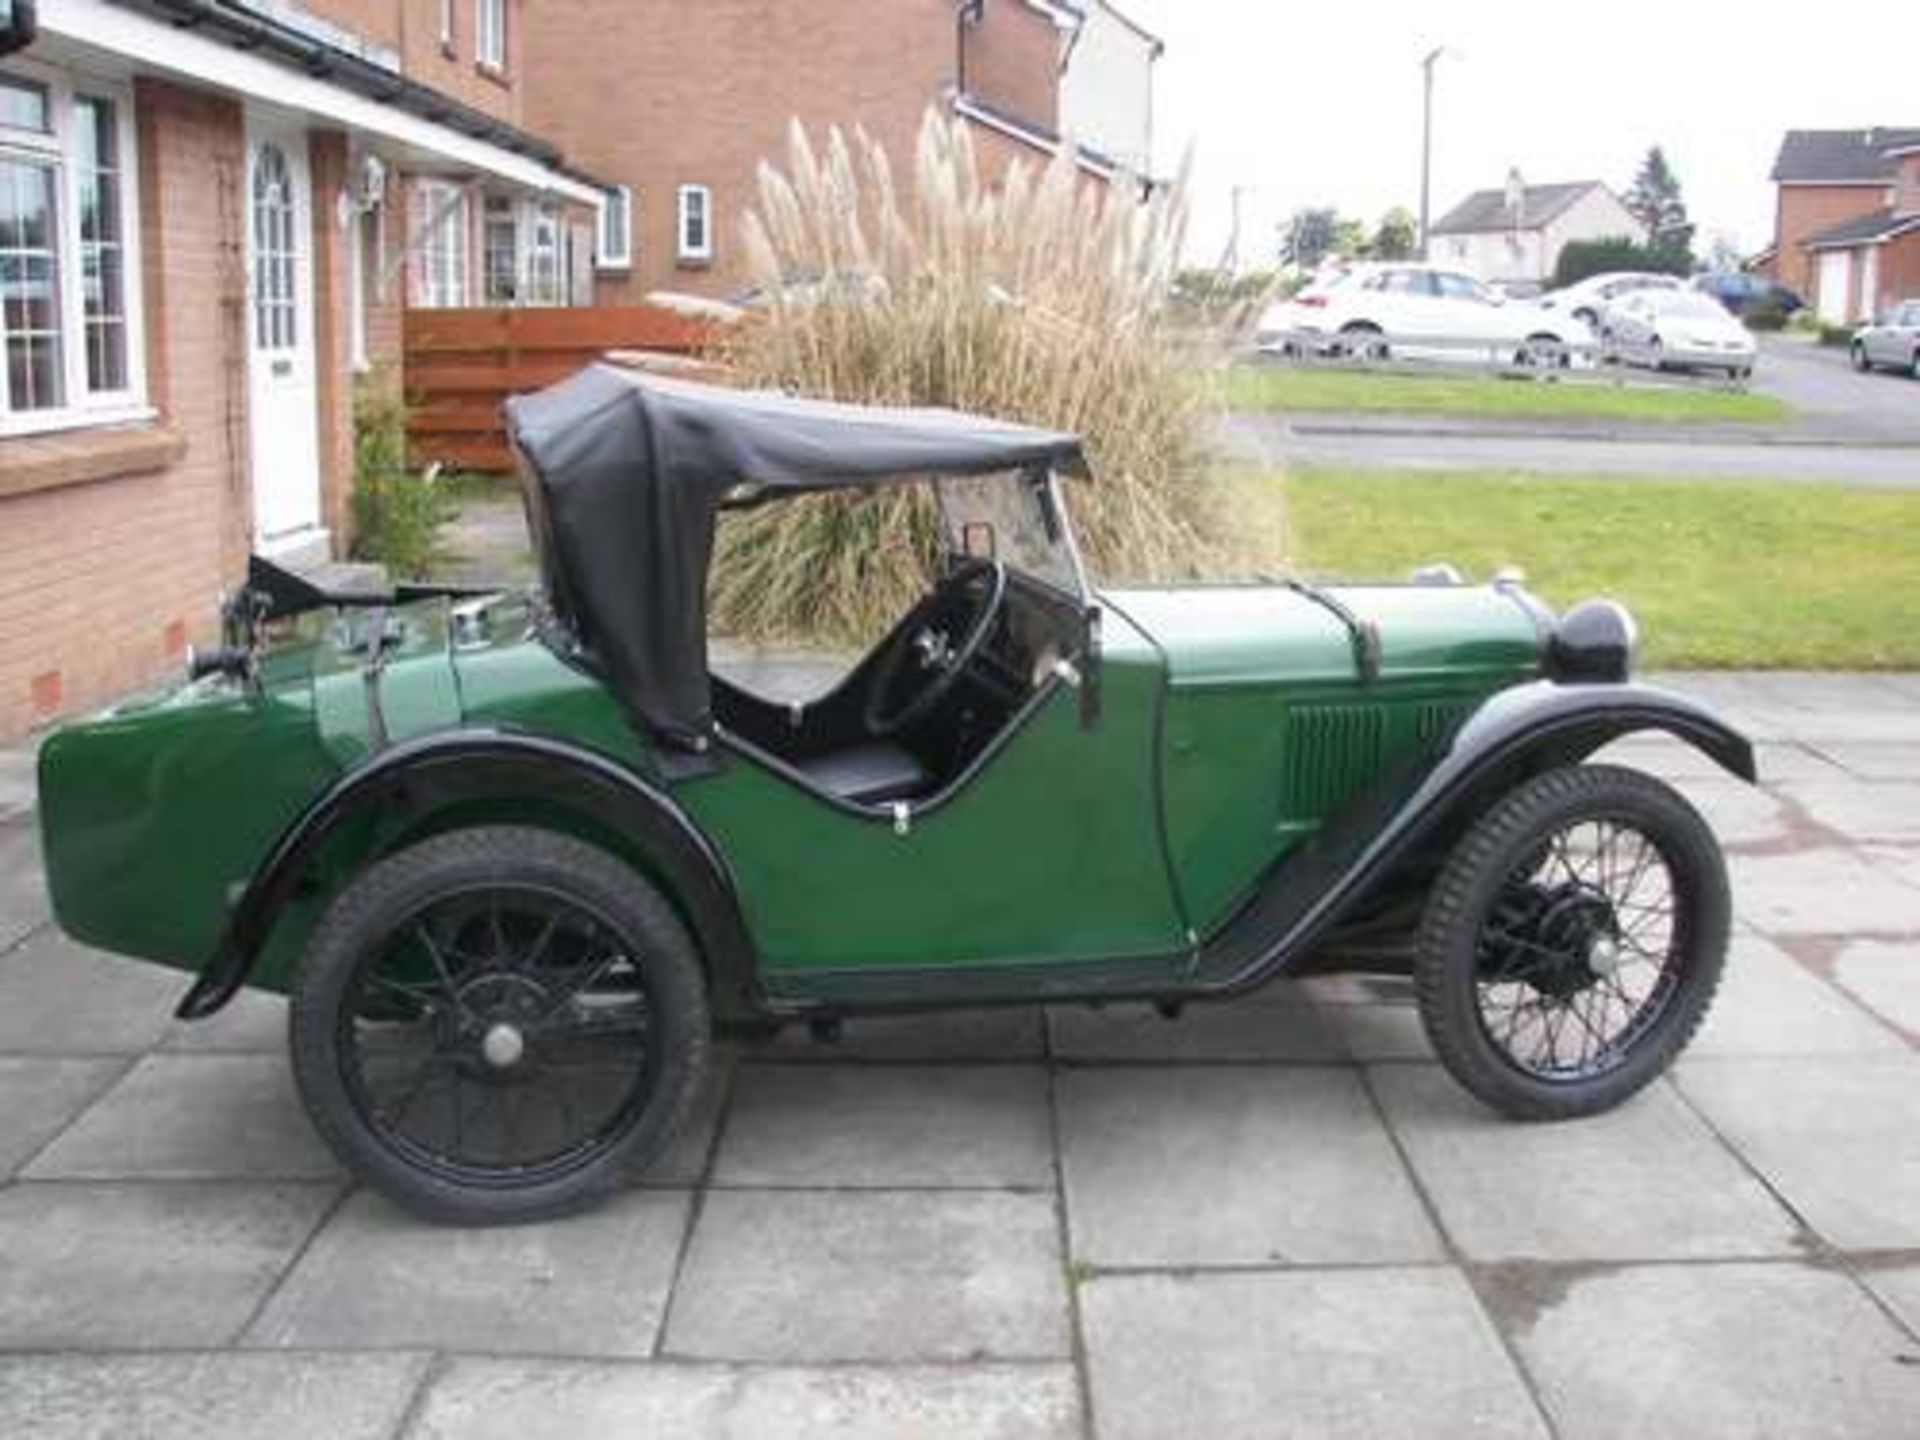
[(1913, 365), (1361, 340), (1573, 942), (1544, 352), (499, 1025)]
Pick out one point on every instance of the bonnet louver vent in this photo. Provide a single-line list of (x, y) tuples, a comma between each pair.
[(1331, 752)]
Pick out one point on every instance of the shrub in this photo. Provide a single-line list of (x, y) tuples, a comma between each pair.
[(1581, 258), (1042, 299), (397, 514), (1766, 314), (1832, 334)]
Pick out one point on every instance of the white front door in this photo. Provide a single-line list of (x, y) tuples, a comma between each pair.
[(1835, 268), (283, 399)]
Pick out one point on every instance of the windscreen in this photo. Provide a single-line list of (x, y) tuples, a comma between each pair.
[(1015, 519)]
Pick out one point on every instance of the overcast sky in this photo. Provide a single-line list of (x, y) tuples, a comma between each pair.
[(1319, 103)]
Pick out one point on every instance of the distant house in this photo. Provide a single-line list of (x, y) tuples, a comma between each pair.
[(1518, 231), (1847, 219)]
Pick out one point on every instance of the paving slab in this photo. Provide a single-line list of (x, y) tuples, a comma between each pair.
[(24, 906), (253, 1021), (1838, 1138), (1739, 813), (1644, 1181), (1381, 1031), (375, 1278), (18, 780), (1770, 1004), (888, 1125), (1327, 1353), (207, 1396), (193, 1117), (685, 1165), (1876, 762), (1885, 977), (1822, 892), (819, 1276), (1861, 810), (1010, 1033), (41, 1096), (488, 1399), (60, 998), (1899, 1286), (1717, 1351), (1247, 1029), (1221, 1165), (144, 1267)]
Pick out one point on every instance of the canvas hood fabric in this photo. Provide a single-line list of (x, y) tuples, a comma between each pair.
[(623, 473)]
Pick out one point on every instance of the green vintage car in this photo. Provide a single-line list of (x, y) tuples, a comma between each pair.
[(517, 858)]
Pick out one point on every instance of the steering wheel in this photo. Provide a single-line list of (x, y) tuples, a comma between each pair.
[(922, 659)]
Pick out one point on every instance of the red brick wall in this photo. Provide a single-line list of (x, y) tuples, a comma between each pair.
[(1013, 62), (102, 584), (412, 27), (1900, 270), (708, 107), (1804, 210), (330, 163)]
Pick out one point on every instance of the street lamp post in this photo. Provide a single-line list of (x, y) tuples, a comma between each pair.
[(1426, 142)]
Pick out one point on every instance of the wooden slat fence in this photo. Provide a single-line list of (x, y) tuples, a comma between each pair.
[(459, 365)]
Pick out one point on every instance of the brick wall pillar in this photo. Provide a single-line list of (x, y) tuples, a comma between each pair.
[(329, 160)]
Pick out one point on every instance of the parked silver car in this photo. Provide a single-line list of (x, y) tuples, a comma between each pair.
[(1892, 342), (1680, 329)]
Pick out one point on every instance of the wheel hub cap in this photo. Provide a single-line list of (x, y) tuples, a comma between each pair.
[(503, 1045)]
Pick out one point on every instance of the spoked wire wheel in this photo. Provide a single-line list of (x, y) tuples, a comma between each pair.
[(1580, 953), (498, 1025), (499, 1035), (1573, 941)]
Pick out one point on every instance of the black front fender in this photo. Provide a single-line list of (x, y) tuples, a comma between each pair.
[(1518, 732), (430, 774)]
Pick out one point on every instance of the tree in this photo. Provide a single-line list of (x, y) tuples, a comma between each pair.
[(1654, 198), (1310, 235), (1396, 238)]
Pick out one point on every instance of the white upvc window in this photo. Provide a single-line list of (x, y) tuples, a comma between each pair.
[(446, 27), (440, 245), (696, 222), (490, 33), (613, 235), (71, 350), (543, 268)]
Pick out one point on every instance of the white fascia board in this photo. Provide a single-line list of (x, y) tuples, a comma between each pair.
[(1044, 144), (155, 46)]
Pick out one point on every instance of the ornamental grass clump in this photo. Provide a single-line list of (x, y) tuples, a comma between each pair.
[(1040, 297)]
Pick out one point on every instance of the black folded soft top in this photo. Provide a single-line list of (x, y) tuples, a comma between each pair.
[(624, 473)]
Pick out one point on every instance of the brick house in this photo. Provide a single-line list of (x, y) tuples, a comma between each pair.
[(678, 104), (211, 213), (1518, 231), (1847, 219)]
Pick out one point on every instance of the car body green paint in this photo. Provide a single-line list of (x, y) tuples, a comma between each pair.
[(1066, 846)]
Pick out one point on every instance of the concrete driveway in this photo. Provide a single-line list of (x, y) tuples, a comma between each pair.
[(1826, 391), (1277, 1217)]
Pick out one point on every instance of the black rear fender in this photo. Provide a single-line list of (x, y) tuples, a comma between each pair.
[(436, 782)]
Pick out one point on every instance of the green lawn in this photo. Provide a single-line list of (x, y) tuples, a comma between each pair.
[(1274, 387), (1718, 574)]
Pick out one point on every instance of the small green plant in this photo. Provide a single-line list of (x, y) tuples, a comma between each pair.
[(1767, 314), (1832, 334), (397, 513)]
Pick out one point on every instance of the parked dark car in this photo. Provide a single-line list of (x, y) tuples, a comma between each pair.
[(1742, 293)]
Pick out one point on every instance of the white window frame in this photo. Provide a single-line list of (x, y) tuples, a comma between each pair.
[(490, 34), (704, 249), (543, 267), (440, 271), (607, 255), (446, 27), (57, 150)]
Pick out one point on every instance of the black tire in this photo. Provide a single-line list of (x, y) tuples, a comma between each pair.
[(637, 1016), (1499, 870), (1362, 340), (1913, 365), (1857, 353)]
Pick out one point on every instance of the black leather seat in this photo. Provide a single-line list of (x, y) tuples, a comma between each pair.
[(870, 773)]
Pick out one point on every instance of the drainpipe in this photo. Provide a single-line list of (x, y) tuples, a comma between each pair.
[(966, 13)]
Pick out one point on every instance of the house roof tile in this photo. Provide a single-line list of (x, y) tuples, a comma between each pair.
[(1838, 157), (1486, 211)]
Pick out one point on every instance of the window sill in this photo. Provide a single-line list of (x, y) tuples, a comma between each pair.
[(493, 73), (79, 457), (694, 262), (612, 267)]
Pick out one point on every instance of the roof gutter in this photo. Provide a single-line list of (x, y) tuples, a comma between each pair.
[(255, 35)]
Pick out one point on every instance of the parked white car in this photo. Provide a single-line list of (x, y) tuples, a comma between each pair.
[(1590, 299), (1384, 308), (1680, 329)]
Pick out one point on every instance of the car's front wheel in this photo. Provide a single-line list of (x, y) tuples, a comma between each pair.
[(499, 1025), (1573, 942), (1858, 354)]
